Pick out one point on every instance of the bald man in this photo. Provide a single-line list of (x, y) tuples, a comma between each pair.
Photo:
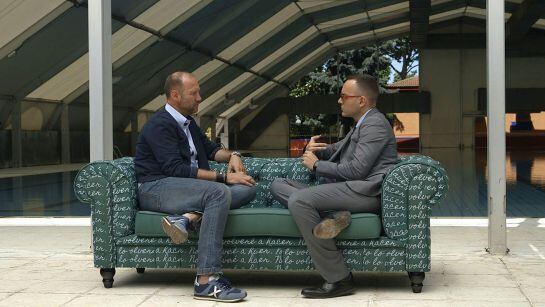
[(174, 177)]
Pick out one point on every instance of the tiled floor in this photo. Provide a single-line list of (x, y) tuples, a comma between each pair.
[(52, 266)]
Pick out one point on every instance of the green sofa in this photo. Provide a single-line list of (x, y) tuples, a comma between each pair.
[(262, 235)]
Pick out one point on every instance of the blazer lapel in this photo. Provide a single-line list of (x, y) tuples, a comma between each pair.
[(346, 140), (201, 154)]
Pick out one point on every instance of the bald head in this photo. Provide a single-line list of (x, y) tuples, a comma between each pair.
[(183, 92), (175, 81)]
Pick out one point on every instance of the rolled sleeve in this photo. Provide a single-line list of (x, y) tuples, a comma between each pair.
[(213, 153)]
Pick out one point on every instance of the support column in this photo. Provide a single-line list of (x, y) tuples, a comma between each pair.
[(495, 49), (224, 136), (234, 131), (100, 80), (134, 131), (65, 135), (213, 131), (16, 136)]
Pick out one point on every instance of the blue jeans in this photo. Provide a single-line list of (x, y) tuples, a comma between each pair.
[(176, 196)]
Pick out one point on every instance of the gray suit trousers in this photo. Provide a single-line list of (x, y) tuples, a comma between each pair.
[(307, 202)]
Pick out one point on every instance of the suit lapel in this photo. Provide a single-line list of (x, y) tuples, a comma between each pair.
[(345, 141)]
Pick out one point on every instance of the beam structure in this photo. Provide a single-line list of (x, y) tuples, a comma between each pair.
[(420, 19), (523, 19)]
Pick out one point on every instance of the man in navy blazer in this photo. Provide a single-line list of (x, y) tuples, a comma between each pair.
[(174, 177)]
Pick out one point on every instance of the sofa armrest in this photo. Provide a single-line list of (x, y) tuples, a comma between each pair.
[(409, 191), (110, 188)]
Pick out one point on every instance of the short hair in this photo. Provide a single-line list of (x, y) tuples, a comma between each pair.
[(174, 81), (368, 84)]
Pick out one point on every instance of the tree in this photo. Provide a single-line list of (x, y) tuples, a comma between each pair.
[(329, 77), (402, 51)]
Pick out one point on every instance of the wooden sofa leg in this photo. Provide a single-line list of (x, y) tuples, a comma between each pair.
[(416, 281), (107, 277), (140, 270)]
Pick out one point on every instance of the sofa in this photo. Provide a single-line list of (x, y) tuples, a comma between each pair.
[(262, 235)]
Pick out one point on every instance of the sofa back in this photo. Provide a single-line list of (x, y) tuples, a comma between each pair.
[(417, 181), (264, 171)]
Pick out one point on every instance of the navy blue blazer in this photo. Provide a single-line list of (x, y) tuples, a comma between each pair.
[(163, 149)]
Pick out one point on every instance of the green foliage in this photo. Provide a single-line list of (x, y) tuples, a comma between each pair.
[(328, 78), (402, 51), (306, 86), (305, 125)]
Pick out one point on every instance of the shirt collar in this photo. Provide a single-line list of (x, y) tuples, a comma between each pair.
[(361, 119), (180, 119)]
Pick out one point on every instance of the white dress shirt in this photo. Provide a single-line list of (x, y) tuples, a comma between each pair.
[(184, 124)]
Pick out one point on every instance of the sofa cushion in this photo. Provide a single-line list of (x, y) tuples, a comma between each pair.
[(263, 222)]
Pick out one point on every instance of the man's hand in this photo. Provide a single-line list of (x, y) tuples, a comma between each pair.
[(312, 146), (240, 178), (309, 158), (236, 165)]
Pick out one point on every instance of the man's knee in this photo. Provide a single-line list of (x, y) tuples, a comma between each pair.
[(278, 185), (252, 192), (248, 192), (299, 200), (218, 191), (242, 194)]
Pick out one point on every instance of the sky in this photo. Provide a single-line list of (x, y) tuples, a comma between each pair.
[(397, 65)]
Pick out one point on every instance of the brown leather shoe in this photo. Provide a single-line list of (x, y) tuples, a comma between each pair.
[(331, 226)]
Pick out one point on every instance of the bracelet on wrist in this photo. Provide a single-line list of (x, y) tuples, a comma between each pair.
[(220, 177), (235, 153)]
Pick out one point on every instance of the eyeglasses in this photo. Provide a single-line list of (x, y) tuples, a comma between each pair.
[(344, 96)]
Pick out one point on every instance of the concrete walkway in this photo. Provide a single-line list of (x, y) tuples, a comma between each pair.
[(52, 266)]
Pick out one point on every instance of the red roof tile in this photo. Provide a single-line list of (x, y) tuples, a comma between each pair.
[(409, 82)]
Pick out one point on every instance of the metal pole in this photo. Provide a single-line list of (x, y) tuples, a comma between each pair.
[(100, 80), (495, 50)]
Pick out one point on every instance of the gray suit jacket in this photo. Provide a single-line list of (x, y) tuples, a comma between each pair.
[(363, 157)]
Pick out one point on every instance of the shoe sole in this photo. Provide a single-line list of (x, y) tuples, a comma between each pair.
[(176, 234), (329, 228), (343, 293), (209, 298)]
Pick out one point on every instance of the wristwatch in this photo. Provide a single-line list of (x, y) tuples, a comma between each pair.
[(236, 153)]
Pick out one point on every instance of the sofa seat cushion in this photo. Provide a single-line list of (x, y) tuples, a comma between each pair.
[(270, 222)]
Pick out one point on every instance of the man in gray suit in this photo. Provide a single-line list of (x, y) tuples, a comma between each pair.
[(354, 169)]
